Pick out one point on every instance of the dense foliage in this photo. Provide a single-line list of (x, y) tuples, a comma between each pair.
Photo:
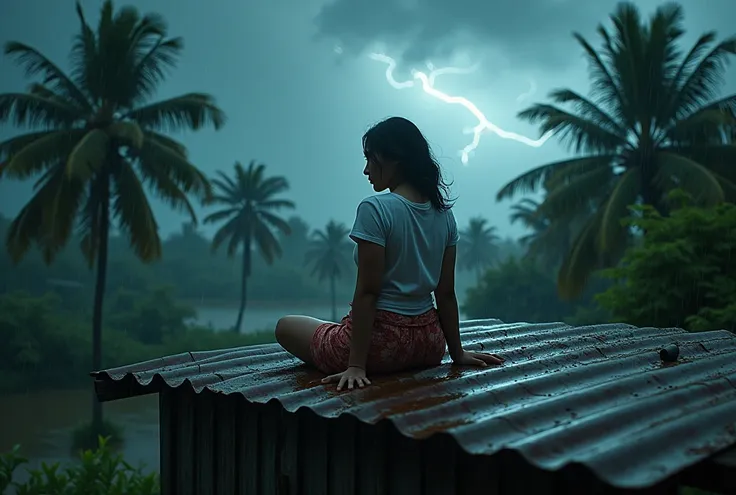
[(523, 290), (682, 273), (48, 346), (99, 472)]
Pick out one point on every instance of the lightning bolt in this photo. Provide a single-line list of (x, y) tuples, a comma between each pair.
[(427, 84)]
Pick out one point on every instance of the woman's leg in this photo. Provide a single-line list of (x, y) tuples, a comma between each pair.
[(295, 333)]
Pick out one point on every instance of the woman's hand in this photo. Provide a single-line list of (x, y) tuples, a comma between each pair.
[(481, 359), (351, 376)]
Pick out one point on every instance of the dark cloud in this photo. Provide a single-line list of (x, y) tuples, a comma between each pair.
[(528, 32), (537, 30)]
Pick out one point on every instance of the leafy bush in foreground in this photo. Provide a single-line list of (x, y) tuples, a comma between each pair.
[(98, 472)]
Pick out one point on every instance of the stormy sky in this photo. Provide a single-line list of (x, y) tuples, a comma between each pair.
[(299, 89)]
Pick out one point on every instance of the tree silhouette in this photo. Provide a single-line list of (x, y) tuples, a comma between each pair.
[(249, 215), (478, 247), (329, 255)]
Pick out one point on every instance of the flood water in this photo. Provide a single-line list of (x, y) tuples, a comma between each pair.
[(262, 317), (42, 423)]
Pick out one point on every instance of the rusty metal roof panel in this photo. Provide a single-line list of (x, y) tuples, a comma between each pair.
[(598, 395)]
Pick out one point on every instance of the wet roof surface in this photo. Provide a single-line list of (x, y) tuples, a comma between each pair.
[(599, 395)]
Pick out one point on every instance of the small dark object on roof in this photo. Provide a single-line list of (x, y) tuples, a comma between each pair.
[(670, 353)]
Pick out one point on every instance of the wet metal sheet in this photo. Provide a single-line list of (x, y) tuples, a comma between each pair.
[(598, 395)]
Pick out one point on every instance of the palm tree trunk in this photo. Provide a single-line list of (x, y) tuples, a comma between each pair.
[(334, 297), (243, 283), (99, 299), (647, 165), (647, 192)]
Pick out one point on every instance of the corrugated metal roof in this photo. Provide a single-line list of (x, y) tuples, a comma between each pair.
[(599, 395)]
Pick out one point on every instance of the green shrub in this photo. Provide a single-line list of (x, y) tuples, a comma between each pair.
[(148, 319), (97, 472), (682, 273)]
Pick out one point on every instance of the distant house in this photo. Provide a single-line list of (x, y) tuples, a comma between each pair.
[(575, 410)]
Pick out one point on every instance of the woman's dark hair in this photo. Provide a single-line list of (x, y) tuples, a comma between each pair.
[(398, 139)]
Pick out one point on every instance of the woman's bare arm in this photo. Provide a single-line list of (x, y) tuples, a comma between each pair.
[(447, 308), (371, 259), (450, 317)]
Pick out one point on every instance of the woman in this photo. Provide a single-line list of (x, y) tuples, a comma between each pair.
[(405, 251)]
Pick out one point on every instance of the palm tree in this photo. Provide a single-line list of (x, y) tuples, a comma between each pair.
[(248, 211), (478, 246), (329, 254), (653, 122), (549, 241), (527, 213), (97, 140)]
